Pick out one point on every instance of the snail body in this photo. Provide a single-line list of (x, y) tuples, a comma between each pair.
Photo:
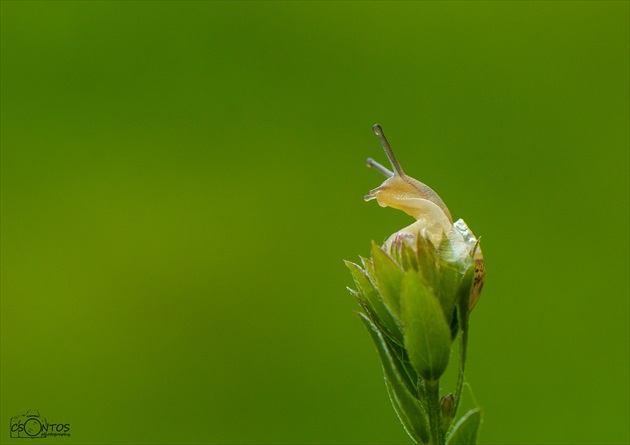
[(418, 200)]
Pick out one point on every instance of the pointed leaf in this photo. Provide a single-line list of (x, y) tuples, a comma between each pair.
[(408, 253), (465, 430), (397, 356), (463, 298), (407, 407), (368, 265), (454, 260), (427, 334), (394, 250), (447, 290), (389, 277), (418, 433), (427, 256), (403, 365), (374, 303)]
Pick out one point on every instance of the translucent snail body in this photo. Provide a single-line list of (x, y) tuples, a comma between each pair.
[(433, 218)]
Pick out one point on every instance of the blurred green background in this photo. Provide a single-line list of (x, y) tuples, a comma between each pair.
[(181, 181)]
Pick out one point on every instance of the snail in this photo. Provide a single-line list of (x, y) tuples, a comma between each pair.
[(418, 200)]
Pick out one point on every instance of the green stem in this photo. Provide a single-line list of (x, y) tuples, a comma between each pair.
[(463, 346), (435, 412)]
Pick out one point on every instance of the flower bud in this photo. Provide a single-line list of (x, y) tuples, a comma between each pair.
[(447, 405)]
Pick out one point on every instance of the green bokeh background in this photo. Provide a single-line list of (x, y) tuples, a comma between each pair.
[(181, 181)]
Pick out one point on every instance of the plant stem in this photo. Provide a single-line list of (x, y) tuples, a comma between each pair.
[(435, 412), (462, 366)]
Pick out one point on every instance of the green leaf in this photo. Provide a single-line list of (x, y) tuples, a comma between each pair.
[(427, 256), (394, 251), (463, 298), (408, 408), (375, 305), (408, 253), (447, 291), (368, 265), (388, 276), (407, 418), (465, 430), (427, 334), (403, 365)]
